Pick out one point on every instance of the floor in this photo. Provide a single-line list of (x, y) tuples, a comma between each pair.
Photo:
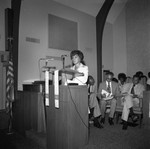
[(113, 137), (110, 137)]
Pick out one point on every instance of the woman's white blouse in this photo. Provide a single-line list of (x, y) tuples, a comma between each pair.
[(81, 80)]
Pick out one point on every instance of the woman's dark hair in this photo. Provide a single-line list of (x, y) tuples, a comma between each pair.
[(79, 53)]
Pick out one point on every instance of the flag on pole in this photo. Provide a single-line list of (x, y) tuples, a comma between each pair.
[(9, 85), (9, 91)]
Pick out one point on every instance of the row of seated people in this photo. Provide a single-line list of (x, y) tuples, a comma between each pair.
[(143, 79), (109, 92)]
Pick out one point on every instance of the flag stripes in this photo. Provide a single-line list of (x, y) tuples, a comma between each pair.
[(9, 84)]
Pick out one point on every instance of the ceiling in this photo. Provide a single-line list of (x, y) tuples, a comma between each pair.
[(92, 7)]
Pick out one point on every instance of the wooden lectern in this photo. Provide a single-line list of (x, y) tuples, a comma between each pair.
[(67, 126), (4, 56)]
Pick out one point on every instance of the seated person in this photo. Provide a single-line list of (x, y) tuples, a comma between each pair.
[(129, 79), (141, 77), (122, 80), (131, 92), (148, 80), (139, 73), (107, 93), (95, 112), (78, 64), (143, 81)]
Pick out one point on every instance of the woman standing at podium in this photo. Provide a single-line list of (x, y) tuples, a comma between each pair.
[(78, 65)]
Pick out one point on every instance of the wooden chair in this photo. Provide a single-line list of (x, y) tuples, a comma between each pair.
[(137, 111)]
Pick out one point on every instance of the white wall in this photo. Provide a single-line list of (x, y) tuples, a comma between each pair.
[(138, 33), (119, 44), (107, 47), (3, 5), (34, 23), (114, 45), (129, 36)]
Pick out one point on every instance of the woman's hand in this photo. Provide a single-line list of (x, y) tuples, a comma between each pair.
[(103, 95), (78, 75)]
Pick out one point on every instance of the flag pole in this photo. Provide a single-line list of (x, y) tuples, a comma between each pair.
[(10, 86)]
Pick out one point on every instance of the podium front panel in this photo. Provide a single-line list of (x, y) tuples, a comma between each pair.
[(67, 126)]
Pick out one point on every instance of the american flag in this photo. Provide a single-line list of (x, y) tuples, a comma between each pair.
[(9, 85)]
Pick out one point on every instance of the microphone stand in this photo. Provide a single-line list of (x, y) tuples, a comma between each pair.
[(63, 61)]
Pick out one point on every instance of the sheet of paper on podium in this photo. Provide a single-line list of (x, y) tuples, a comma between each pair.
[(108, 95)]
